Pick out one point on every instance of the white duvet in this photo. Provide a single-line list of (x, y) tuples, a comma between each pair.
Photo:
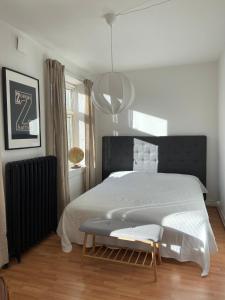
[(172, 200)]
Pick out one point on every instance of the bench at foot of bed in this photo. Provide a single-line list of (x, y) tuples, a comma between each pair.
[(149, 234)]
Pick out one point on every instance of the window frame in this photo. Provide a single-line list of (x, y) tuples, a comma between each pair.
[(76, 117), (71, 113)]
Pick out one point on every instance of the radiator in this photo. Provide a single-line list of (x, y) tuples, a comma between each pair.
[(31, 202)]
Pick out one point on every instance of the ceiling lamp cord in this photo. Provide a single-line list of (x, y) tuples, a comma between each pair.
[(113, 92), (111, 31), (136, 9), (110, 18)]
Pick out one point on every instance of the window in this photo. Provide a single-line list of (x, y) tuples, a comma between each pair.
[(75, 106)]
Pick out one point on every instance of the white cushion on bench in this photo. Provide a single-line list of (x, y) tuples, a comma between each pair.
[(122, 229), (104, 226), (150, 232)]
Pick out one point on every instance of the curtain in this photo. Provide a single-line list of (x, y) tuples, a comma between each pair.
[(56, 131), (3, 240), (90, 171)]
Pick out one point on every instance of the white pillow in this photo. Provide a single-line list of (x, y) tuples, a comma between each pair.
[(145, 156)]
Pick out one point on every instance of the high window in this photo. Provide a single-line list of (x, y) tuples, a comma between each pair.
[(75, 106)]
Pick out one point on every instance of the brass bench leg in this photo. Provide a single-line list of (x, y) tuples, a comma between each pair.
[(84, 244), (154, 262), (158, 254), (93, 243)]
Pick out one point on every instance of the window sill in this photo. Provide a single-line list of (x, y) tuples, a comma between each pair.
[(76, 172)]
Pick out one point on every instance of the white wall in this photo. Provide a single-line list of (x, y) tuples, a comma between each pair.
[(184, 96), (184, 99), (31, 63), (76, 182), (221, 112)]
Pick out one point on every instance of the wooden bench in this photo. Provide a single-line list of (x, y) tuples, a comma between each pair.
[(149, 234)]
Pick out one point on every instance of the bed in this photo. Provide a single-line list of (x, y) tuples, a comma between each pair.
[(173, 198)]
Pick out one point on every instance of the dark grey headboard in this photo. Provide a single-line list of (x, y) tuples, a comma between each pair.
[(177, 154)]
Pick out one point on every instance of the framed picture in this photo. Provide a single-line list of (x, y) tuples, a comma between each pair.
[(21, 107)]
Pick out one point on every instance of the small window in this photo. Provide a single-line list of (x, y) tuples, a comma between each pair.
[(75, 106)]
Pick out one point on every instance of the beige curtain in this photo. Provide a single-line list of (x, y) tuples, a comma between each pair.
[(3, 240), (90, 171), (56, 131)]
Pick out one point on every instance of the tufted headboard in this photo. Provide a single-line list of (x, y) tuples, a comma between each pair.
[(176, 154)]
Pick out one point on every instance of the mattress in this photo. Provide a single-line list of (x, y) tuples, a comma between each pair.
[(174, 201)]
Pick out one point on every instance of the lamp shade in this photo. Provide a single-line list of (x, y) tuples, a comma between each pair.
[(112, 92)]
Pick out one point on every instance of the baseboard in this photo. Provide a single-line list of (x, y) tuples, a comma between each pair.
[(217, 205), (222, 215), (212, 203)]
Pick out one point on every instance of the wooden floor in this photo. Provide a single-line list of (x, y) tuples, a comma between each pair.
[(48, 273)]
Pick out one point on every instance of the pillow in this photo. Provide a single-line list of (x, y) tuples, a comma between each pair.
[(145, 156)]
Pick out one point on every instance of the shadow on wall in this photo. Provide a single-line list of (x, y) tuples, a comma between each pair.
[(144, 123)]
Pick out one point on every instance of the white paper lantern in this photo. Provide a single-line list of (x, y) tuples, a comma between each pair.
[(112, 92)]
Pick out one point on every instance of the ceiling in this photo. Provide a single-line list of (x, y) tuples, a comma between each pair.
[(178, 32)]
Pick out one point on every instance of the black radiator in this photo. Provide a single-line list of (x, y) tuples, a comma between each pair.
[(31, 202)]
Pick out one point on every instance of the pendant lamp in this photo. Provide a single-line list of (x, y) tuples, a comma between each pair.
[(112, 92)]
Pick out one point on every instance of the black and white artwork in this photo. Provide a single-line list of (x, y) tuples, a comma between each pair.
[(21, 110)]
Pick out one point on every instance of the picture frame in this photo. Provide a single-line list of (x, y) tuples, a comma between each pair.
[(21, 109)]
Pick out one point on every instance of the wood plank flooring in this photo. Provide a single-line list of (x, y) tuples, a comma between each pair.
[(46, 273)]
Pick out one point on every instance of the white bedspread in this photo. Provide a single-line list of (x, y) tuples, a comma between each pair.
[(172, 200)]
